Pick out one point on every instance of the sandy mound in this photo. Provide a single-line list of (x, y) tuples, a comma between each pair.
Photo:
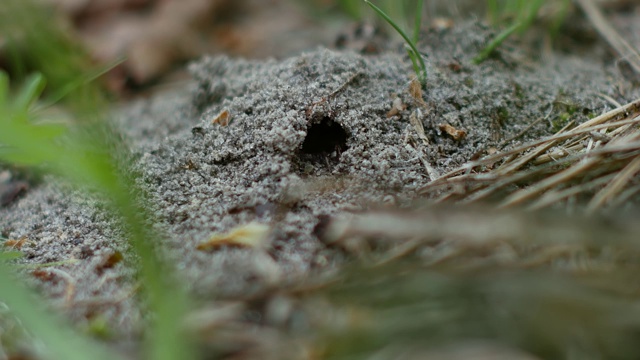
[(307, 137)]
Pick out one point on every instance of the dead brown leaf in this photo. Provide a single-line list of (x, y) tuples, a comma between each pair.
[(43, 275), (222, 118), (396, 107), (15, 244), (110, 261), (415, 90), (456, 134)]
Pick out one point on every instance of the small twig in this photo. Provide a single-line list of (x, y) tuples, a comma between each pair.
[(107, 301), (344, 85), (611, 100), (521, 133), (49, 264), (504, 142), (332, 94)]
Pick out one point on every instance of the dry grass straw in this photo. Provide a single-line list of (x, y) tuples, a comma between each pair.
[(449, 282), (596, 160)]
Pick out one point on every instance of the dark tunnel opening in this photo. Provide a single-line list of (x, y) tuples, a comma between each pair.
[(324, 138)]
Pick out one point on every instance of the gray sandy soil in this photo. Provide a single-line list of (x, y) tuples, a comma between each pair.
[(308, 137)]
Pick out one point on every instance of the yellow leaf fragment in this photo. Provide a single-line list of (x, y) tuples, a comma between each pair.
[(251, 235)]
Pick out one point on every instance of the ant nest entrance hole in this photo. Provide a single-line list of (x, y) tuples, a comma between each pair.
[(326, 140)]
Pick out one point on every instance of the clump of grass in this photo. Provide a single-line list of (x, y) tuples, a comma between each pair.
[(419, 66)]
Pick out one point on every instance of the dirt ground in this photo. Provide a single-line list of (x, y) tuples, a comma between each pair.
[(295, 142)]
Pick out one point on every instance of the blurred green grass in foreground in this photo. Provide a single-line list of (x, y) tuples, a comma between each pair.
[(88, 152)]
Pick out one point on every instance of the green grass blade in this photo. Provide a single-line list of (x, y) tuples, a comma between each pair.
[(79, 82), (165, 340), (31, 91), (493, 11), (351, 8), (10, 255), (422, 71), (529, 12), (4, 87), (484, 54), (559, 18), (413, 57), (417, 22)]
